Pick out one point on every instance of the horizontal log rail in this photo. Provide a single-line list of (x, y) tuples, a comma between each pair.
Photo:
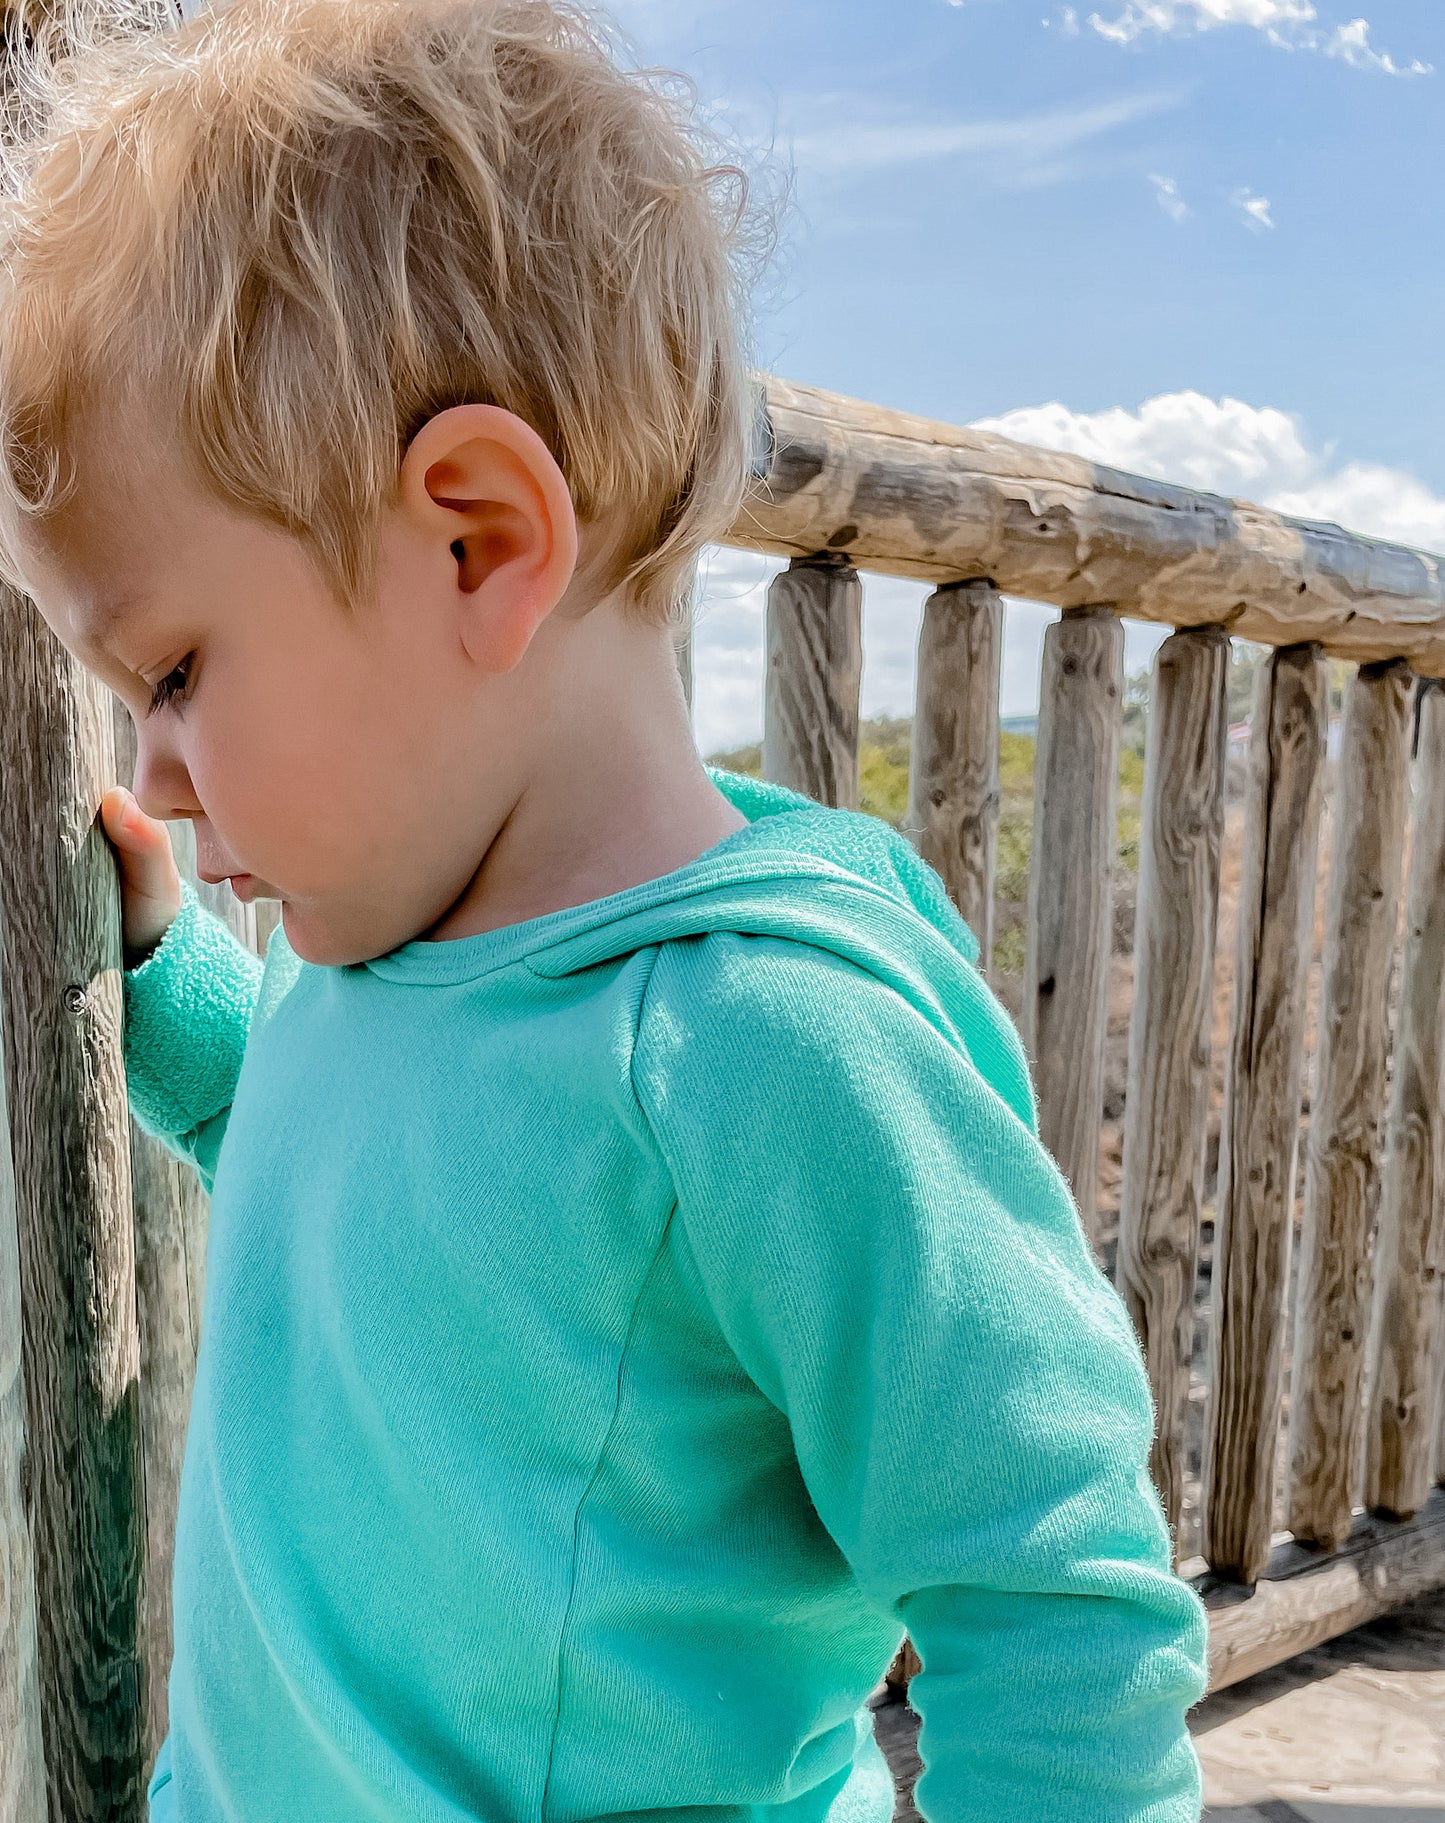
[(1307, 1596), (904, 496)]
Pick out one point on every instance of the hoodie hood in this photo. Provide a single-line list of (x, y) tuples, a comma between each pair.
[(841, 880), (838, 879), (764, 874)]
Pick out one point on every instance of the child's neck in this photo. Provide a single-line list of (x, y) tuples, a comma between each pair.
[(619, 795)]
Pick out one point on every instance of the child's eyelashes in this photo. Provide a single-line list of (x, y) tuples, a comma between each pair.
[(173, 684)]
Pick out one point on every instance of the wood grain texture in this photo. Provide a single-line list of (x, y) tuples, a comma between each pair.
[(1071, 891), (905, 496), (22, 1756), (70, 1141), (1347, 1109), (1260, 1137), (1167, 1103), (1439, 1472), (814, 671), (1305, 1597), (953, 777), (1408, 1316)]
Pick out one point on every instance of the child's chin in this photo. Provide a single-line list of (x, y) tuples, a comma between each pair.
[(314, 940)]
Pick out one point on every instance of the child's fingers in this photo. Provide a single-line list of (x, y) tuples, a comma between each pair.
[(144, 845), (149, 878), (127, 825)]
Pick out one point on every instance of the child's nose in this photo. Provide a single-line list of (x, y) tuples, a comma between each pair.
[(162, 785)]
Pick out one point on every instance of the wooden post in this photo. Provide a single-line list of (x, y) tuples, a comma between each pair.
[(815, 669), (171, 1224), (953, 782), (22, 1757), (69, 1130), (1439, 1473), (1406, 1329), (1260, 1137), (1071, 890), (1167, 1104), (1347, 1110)]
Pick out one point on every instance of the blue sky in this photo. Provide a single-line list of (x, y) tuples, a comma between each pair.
[(1200, 238)]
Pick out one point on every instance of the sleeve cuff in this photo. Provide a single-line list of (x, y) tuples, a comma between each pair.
[(188, 1008)]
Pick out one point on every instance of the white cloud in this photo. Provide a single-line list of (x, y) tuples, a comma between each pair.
[(1253, 210), (1067, 21), (1291, 25), (1166, 192), (1222, 446), (843, 133), (1366, 496), (1141, 16), (727, 648), (1351, 44), (1255, 452)]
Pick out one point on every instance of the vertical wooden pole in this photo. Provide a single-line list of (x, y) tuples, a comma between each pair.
[(1347, 1109), (1406, 1328), (1167, 1104), (953, 781), (815, 671), (69, 1129), (22, 1756), (1071, 890), (1260, 1137)]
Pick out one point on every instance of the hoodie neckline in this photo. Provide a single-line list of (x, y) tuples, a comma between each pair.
[(457, 959)]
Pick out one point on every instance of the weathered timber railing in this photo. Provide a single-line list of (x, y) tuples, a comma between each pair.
[(847, 487), (102, 1236), (903, 496)]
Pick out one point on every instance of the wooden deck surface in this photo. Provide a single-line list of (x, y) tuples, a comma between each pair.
[(1351, 1732)]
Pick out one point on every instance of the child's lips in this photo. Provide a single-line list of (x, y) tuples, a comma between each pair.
[(241, 884)]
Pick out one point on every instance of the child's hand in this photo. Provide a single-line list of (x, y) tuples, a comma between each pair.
[(150, 882)]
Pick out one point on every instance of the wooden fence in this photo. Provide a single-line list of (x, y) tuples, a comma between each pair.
[(846, 487), (102, 1235)]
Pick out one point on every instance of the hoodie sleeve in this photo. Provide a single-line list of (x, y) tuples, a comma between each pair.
[(898, 1265), (188, 1009)]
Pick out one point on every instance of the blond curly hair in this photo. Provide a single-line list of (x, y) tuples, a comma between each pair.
[(294, 230)]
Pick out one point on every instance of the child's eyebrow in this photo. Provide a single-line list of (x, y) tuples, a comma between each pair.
[(102, 617), (93, 628)]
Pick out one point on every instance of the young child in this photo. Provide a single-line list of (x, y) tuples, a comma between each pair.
[(636, 1294)]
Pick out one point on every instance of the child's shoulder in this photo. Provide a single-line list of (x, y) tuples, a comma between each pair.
[(814, 1010), (830, 937), (861, 844)]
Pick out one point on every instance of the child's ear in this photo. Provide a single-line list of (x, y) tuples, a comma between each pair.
[(496, 515)]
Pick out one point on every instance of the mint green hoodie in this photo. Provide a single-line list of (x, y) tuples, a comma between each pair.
[(619, 1328)]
